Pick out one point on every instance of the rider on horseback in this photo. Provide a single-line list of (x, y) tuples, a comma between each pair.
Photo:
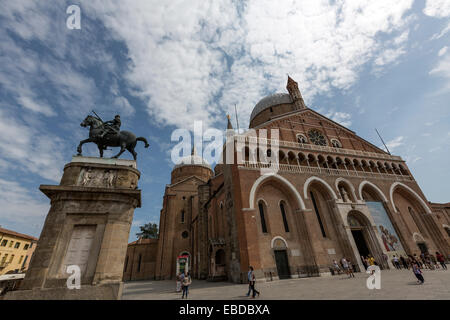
[(111, 126)]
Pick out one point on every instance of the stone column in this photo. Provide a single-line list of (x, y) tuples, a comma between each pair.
[(310, 267), (87, 226)]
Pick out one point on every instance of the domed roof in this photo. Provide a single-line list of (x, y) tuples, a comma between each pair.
[(193, 160), (270, 101)]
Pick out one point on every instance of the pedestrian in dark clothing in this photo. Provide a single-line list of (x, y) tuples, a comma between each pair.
[(253, 282), (418, 273), (404, 262), (440, 258), (185, 284)]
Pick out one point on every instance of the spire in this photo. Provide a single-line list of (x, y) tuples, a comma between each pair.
[(294, 92), (229, 125)]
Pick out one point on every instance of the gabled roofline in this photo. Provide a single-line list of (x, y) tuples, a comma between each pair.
[(321, 115), (184, 180)]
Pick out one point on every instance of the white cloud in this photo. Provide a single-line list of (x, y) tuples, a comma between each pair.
[(28, 103), (442, 51), (442, 70), (442, 33), (342, 118), (389, 56), (437, 8), (395, 143), (28, 149), (435, 149), (19, 205), (200, 58)]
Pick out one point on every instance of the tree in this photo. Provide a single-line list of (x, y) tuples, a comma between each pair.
[(148, 231)]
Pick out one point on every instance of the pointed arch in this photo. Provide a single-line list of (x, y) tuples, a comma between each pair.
[(380, 193), (417, 237), (280, 179), (352, 188), (411, 191), (314, 178), (279, 238)]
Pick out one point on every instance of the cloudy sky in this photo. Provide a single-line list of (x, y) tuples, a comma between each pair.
[(163, 64)]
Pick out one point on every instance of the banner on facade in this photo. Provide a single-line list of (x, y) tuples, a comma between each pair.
[(391, 241)]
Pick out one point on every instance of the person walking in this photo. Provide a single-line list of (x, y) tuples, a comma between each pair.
[(249, 278), (350, 268), (364, 262), (336, 267), (186, 283), (345, 266), (371, 260), (178, 287), (396, 262), (418, 272), (253, 282), (404, 262), (440, 258)]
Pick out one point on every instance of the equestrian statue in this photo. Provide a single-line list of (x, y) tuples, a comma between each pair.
[(108, 134)]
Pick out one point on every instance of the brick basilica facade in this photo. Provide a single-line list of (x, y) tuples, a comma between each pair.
[(334, 195)]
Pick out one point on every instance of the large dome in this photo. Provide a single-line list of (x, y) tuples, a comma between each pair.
[(270, 101)]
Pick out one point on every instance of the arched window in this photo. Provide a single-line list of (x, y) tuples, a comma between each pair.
[(448, 230), (262, 216), (301, 139), (316, 209), (283, 215), (182, 216), (126, 264), (336, 143), (139, 263), (417, 221)]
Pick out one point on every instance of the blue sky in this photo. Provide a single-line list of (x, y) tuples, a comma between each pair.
[(163, 65)]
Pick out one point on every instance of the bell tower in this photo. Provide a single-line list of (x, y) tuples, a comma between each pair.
[(295, 94)]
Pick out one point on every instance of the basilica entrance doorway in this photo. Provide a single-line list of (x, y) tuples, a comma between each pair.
[(361, 243), (365, 239), (281, 260), (423, 247)]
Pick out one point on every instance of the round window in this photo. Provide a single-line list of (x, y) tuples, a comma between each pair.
[(317, 138), (185, 234)]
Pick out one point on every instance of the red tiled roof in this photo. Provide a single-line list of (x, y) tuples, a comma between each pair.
[(142, 241), (17, 234)]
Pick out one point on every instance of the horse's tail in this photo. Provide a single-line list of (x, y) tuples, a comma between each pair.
[(143, 140)]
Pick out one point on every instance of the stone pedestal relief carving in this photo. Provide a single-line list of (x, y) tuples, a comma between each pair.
[(88, 226)]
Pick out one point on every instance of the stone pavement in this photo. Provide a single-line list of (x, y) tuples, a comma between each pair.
[(395, 285)]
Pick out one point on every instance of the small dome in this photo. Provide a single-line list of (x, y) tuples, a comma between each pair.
[(270, 101), (193, 159)]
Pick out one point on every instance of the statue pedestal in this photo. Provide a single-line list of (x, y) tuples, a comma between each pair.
[(87, 226)]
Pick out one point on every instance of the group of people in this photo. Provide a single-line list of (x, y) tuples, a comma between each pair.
[(426, 260), (184, 280), (345, 266)]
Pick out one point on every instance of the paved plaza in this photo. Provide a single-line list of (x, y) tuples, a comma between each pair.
[(395, 284)]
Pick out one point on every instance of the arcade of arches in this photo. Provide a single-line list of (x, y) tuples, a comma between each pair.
[(334, 195)]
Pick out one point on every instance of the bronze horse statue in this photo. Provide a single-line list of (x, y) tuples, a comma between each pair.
[(126, 140)]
